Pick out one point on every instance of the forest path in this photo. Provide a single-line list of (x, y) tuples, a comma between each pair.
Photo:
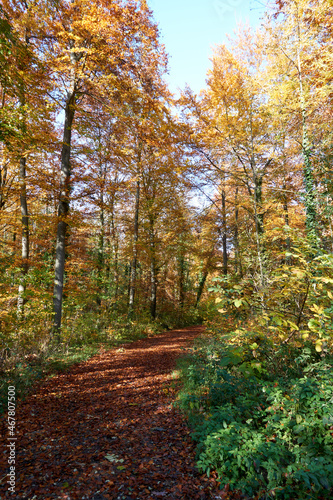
[(107, 429)]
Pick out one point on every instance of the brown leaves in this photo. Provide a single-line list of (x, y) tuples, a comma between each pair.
[(113, 433)]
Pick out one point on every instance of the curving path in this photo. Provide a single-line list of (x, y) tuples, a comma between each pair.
[(107, 429)]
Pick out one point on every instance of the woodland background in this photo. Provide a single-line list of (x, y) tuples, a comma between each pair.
[(125, 210)]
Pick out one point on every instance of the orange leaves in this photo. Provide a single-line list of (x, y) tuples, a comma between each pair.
[(120, 449)]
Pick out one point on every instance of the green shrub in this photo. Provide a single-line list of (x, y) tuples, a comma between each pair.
[(262, 431)]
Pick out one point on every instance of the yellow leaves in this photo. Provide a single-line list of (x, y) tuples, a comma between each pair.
[(277, 320), (218, 300), (299, 273), (239, 331), (293, 325), (319, 310), (313, 324), (264, 319), (325, 280), (318, 346)]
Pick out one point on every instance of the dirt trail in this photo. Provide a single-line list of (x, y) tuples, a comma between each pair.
[(107, 429)]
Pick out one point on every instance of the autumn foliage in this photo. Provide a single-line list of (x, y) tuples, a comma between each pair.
[(124, 206)]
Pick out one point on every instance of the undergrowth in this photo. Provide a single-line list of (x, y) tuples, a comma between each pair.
[(22, 364), (28, 353), (262, 415)]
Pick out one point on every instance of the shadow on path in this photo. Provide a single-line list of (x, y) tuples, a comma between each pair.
[(107, 429)]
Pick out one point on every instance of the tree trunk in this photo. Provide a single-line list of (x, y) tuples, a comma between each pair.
[(181, 279), (23, 192), (134, 263), (286, 214), (115, 253), (153, 271), (310, 204), (63, 210), (25, 237), (258, 224), (224, 234), (201, 286), (203, 277), (238, 260), (310, 198), (153, 289), (258, 200), (100, 258), (3, 179)]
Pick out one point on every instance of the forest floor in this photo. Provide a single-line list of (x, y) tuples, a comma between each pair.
[(107, 429)]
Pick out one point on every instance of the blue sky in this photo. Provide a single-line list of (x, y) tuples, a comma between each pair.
[(190, 28)]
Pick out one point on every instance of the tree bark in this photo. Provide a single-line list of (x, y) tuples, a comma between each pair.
[(153, 271), (201, 286), (310, 198), (258, 227), (153, 289), (181, 278), (101, 237), (224, 234), (114, 253), (24, 238), (286, 211), (63, 210), (134, 263), (238, 260)]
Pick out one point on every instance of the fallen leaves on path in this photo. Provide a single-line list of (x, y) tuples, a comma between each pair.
[(107, 429)]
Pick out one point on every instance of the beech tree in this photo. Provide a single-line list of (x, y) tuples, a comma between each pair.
[(103, 175), (89, 37)]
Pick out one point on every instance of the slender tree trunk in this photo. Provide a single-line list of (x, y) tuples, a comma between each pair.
[(203, 277), (258, 219), (3, 179), (100, 257), (201, 286), (258, 216), (115, 253), (238, 260), (153, 271), (224, 234), (286, 212), (153, 289), (100, 265), (134, 263), (25, 237), (310, 192), (63, 210), (128, 273), (23, 196), (258, 200), (330, 224), (181, 279)]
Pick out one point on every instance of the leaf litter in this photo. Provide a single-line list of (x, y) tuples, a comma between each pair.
[(107, 429)]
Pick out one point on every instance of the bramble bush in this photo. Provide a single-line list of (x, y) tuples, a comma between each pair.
[(264, 429)]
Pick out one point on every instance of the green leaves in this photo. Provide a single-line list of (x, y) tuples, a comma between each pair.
[(259, 429)]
